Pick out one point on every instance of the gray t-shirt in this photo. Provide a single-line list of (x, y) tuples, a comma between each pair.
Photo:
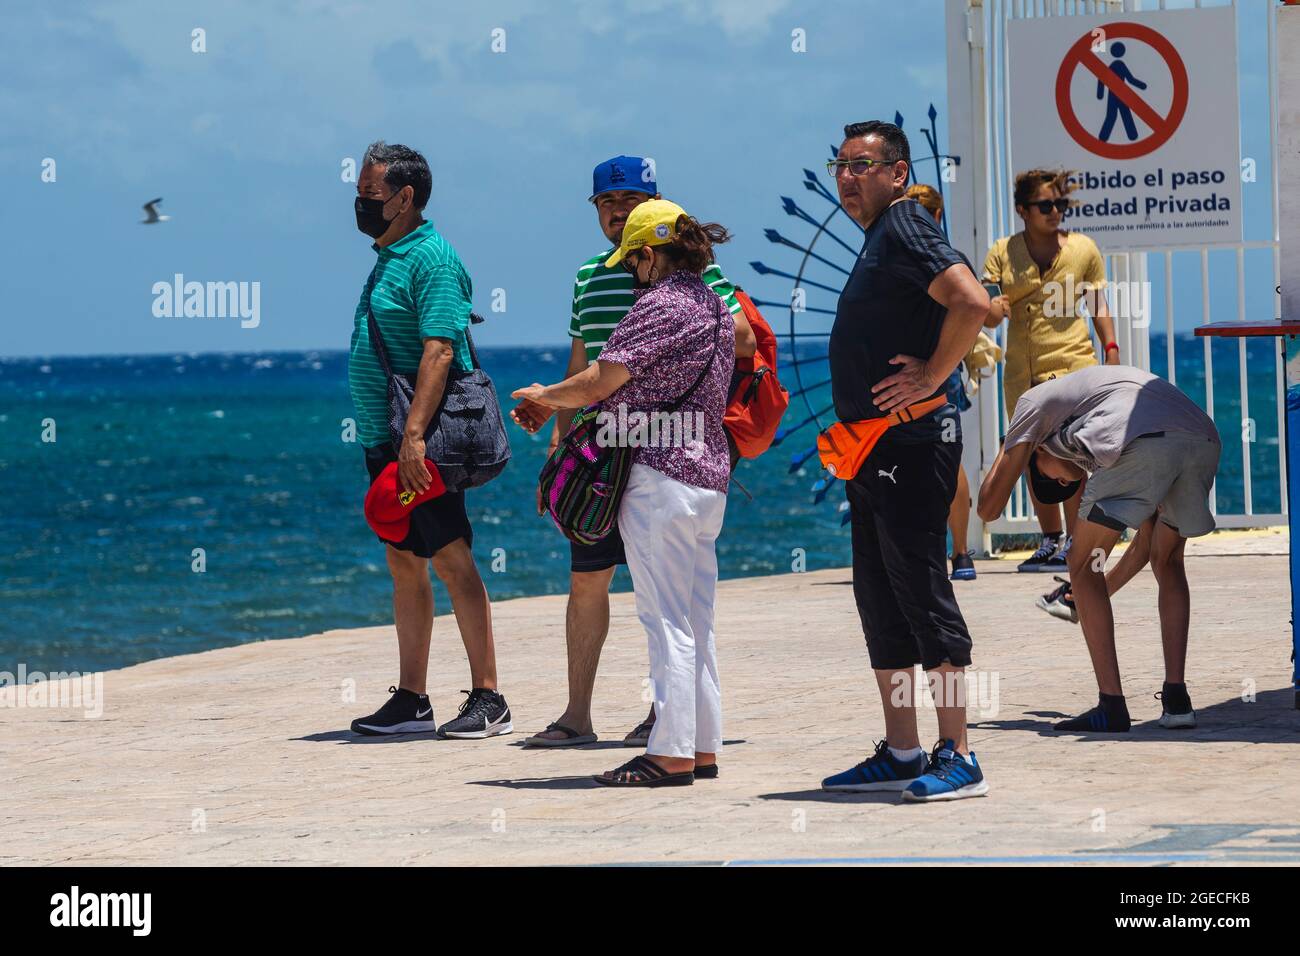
[(1089, 416)]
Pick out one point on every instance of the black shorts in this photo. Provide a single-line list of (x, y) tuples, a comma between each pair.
[(899, 512), (600, 556), (435, 523)]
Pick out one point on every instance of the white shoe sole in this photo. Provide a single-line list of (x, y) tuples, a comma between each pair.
[(406, 727), (1178, 721), (1057, 611), (970, 790), (494, 731), (873, 787)]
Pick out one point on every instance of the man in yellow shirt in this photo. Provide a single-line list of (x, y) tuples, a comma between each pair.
[(1046, 273)]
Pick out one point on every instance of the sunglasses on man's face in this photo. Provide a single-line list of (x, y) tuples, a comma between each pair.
[(858, 167), (1045, 206)]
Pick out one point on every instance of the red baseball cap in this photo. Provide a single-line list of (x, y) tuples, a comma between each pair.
[(388, 506)]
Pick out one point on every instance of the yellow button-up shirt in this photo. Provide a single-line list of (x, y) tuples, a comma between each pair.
[(1042, 346)]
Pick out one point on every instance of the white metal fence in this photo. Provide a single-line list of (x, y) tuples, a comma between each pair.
[(980, 132)]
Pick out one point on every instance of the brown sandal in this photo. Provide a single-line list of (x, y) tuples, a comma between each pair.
[(643, 772)]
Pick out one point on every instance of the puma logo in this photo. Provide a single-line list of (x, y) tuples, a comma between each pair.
[(881, 473)]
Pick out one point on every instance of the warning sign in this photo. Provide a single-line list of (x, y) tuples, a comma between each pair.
[(1144, 107), (1121, 90)]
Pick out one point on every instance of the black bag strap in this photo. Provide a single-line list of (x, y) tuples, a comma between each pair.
[(376, 340), (676, 406), (381, 351), (474, 319)]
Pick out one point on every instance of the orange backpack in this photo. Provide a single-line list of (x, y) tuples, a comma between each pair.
[(758, 399)]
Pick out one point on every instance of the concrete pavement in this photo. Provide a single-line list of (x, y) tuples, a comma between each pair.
[(242, 755)]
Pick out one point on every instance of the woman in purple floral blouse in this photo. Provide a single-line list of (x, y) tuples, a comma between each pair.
[(677, 340)]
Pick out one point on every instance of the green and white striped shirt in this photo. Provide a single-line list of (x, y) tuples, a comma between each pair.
[(602, 296), (418, 289)]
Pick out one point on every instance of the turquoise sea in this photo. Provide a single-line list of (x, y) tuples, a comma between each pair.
[(241, 455)]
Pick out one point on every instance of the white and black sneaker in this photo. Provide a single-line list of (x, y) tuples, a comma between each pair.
[(1176, 707), (1060, 603), (484, 713), (405, 713)]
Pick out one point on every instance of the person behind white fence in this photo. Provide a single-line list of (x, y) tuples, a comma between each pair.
[(1045, 273)]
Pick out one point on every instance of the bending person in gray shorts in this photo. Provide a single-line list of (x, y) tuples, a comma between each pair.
[(1149, 455)]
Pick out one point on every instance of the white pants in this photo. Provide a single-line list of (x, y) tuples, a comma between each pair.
[(669, 529)]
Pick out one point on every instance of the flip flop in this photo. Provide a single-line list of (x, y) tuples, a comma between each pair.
[(571, 738), (706, 772), (639, 735), (640, 772)]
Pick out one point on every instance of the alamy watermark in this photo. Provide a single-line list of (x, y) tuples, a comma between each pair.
[(59, 689), (975, 690), (1130, 301), (208, 300), (619, 428)]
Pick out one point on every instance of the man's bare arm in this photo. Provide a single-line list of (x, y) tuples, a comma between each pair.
[(957, 289), (1002, 477), (746, 342), (430, 384)]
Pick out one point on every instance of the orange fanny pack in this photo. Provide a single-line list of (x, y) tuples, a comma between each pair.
[(845, 445)]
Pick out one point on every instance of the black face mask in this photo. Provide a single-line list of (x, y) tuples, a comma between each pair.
[(370, 216), (636, 279)]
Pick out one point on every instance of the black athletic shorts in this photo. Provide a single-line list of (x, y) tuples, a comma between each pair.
[(435, 523), (604, 554), (899, 512)]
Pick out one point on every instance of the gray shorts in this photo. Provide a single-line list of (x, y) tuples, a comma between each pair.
[(1170, 473)]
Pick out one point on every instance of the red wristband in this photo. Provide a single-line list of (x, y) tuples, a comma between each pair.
[(1111, 345)]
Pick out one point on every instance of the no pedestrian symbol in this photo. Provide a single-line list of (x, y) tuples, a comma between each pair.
[(1118, 137)]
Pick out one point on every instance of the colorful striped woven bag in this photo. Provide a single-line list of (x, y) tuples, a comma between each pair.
[(583, 481)]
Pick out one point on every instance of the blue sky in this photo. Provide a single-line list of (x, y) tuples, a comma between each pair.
[(245, 143)]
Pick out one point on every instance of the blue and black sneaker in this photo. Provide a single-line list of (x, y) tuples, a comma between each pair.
[(1110, 716), (949, 776), (881, 771), (963, 568)]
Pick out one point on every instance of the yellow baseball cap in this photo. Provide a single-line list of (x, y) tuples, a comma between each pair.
[(651, 223)]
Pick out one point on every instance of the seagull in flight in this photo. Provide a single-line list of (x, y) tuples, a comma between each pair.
[(151, 212)]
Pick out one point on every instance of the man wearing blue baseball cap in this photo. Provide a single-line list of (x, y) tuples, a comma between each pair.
[(601, 297)]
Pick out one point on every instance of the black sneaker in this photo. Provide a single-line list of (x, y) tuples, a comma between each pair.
[(405, 713), (484, 713), (1176, 707), (1040, 557), (1110, 716), (1060, 603), (963, 568)]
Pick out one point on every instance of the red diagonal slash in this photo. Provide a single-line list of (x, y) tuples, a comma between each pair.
[(1162, 127), (1127, 95)]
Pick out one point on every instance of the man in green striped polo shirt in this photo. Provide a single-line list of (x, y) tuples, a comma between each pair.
[(419, 295), (601, 297)]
